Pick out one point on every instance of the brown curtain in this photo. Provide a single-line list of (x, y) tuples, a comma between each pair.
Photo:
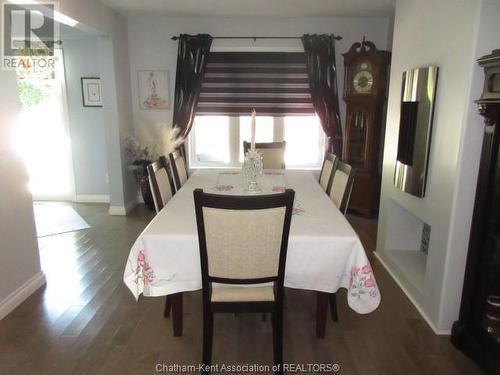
[(322, 73), (192, 55)]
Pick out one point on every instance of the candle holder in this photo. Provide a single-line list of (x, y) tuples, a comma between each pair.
[(252, 167)]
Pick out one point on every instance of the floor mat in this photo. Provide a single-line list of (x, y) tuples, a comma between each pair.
[(54, 218)]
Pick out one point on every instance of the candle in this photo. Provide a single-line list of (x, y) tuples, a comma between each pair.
[(252, 146)]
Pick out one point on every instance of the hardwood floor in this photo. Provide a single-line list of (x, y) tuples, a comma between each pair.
[(85, 321)]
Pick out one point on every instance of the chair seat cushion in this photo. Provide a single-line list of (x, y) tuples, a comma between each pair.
[(242, 294)]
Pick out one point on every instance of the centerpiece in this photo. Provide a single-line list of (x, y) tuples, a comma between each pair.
[(252, 164)]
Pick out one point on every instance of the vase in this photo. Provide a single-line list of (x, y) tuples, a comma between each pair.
[(141, 177), (252, 167), (147, 195)]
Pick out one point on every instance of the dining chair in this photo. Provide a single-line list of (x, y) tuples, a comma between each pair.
[(341, 185), (179, 168), (329, 167), (273, 153), (162, 189), (243, 243), (160, 182), (339, 189)]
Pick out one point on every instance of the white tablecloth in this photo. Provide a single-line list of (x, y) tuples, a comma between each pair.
[(324, 252)]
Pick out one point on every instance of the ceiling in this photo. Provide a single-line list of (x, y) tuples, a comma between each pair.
[(270, 8)]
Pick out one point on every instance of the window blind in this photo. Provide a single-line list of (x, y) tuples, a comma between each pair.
[(274, 83)]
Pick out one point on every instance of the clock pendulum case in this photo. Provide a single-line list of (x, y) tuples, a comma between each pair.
[(365, 94)]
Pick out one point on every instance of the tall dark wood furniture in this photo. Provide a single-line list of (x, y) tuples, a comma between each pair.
[(365, 94), (477, 332)]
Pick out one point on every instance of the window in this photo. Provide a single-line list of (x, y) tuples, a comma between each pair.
[(305, 141), (211, 140), (276, 85), (217, 141)]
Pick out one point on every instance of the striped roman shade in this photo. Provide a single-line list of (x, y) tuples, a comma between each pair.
[(274, 83)]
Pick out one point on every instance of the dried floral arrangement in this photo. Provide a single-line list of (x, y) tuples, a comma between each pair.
[(149, 141), (146, 144)]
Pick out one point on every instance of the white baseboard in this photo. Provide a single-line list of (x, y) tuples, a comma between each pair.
[(117, 210), (412, 300), (92, 198), (122, 210), (19, 295)]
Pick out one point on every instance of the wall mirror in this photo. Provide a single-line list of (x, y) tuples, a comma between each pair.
[(415, 128)]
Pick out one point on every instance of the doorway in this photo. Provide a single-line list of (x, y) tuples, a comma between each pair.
[(41, 135)]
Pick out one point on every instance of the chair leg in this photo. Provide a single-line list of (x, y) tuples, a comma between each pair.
[(168, 307), (176, 300), (208, 331), (333, 307), (321, 311), (277, 319)]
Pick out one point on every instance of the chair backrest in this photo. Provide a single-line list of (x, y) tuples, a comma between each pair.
[(328, 168), (160, 182), (341, 185), (179, 168), (243, 239), (273, 153)]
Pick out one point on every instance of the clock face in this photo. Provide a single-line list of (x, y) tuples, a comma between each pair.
[(363, 82)]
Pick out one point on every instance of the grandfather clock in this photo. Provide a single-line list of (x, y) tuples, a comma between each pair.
[(365, 88)]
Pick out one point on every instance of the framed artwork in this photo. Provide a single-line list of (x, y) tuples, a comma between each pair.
[(91, 92), (154, 89)]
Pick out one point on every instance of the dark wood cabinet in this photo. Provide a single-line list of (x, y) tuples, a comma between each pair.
[(477, 332), (365, 93)]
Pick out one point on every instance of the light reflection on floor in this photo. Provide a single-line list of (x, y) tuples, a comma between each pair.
[(59, 260)]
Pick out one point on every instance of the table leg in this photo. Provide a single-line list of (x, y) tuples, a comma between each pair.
[(176, 302), (321, 310), (168, 307)]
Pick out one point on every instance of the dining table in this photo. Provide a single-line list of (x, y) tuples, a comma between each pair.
[(324, 252)]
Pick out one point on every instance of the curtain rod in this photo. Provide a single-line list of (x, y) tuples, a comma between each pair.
[(41, 40), (336, 37)]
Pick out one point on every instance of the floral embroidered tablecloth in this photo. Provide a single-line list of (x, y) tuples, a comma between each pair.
[(324, 252)]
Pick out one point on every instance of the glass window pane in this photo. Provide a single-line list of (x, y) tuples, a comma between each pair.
[(211, 139), (264, 130), (304, 141)]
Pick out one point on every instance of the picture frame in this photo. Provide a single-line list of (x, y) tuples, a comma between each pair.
[(154, 89), (91, 91)]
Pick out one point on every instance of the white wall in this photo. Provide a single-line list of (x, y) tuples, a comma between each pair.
[(20, 272), (152, 48), (115, 79), (421, 38), (86, 124)]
